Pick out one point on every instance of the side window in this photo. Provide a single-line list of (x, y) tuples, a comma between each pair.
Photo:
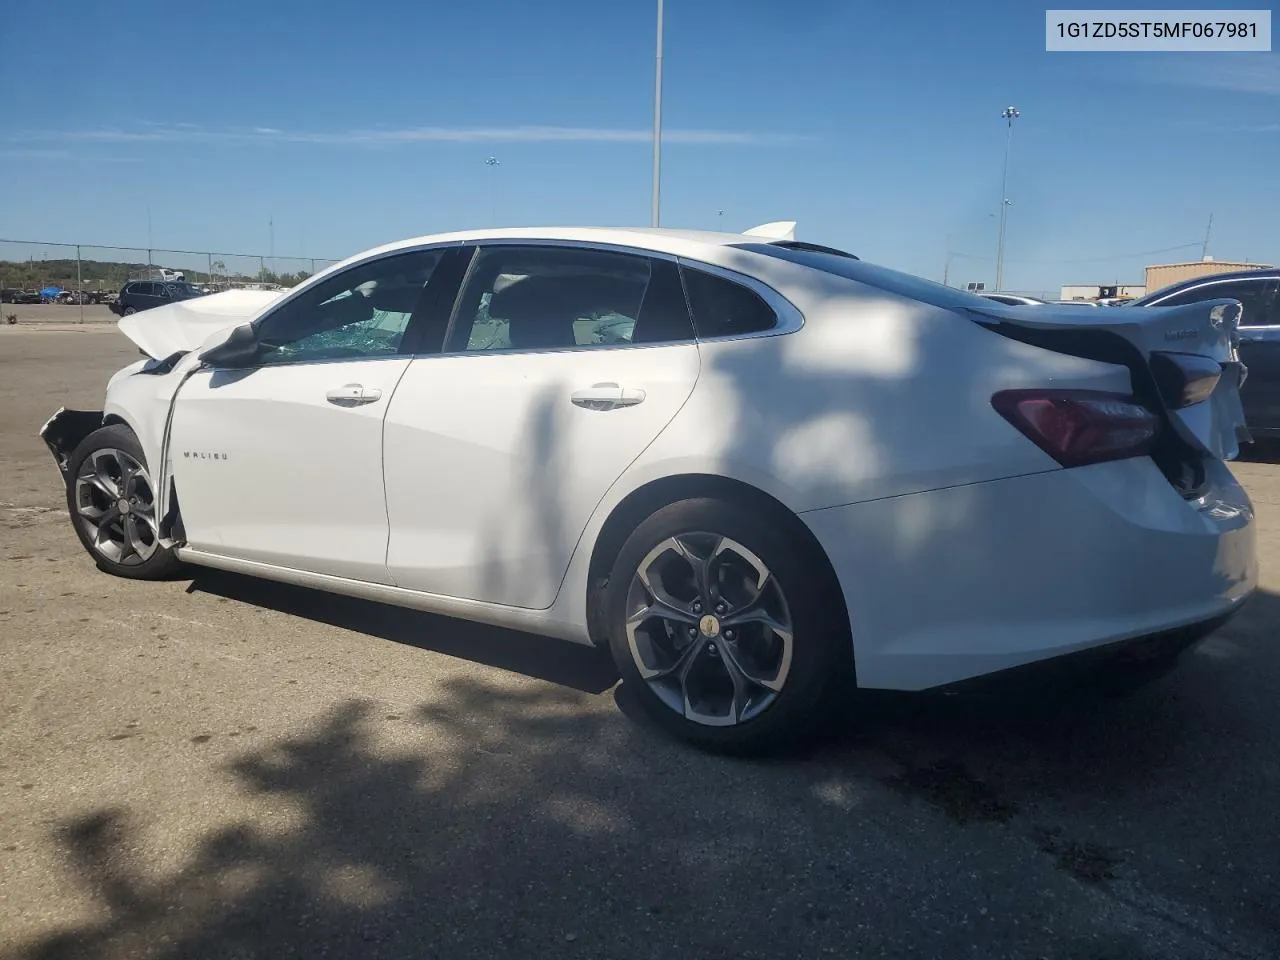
[(1269, 315), (1250, 293), (722, 308), (141, 290), (361, 312), (539, 298)]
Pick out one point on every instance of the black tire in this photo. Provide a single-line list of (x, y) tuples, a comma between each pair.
[(821, 664), (128, 312), (82, 496)]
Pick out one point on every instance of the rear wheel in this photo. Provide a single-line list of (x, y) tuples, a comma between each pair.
[(128, 311), (727, 628), (113, 506)]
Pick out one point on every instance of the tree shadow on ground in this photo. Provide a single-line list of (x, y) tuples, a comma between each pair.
[(559, 662), (514, 822)]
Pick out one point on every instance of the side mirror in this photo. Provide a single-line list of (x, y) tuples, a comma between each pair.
[(240, 349)]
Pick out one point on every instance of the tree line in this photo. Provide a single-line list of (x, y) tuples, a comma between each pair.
[(110, 274)]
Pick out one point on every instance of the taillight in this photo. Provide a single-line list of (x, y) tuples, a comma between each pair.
[(1077, 427), (1185, 378)]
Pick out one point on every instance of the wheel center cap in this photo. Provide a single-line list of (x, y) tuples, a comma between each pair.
[(122, 505), (709, 626)]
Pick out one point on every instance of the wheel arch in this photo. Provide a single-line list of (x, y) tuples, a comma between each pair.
[(650, 497), (171, 521)]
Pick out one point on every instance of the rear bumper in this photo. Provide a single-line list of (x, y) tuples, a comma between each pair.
[(960, 583)]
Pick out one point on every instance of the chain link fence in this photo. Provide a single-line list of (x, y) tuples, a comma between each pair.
[(70, 272)]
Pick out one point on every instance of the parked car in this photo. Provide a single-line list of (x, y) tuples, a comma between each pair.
[(10, 295), (796, 475), (139, 295), (1259, 293), (23, 296), (1013, 299)]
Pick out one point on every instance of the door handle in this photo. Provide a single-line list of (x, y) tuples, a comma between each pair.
[(353, 395), (607, 396)]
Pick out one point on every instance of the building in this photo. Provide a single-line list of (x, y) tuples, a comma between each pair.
[(1101, 291), (1162, 275)]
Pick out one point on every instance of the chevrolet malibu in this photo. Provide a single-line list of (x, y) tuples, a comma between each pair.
[(764, 474)]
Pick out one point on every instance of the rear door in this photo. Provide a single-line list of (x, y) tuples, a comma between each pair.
[(561, 365), (1260, 351), (146, 296)]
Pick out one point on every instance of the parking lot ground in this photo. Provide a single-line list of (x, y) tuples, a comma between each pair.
[(57, 313), (219, 767)]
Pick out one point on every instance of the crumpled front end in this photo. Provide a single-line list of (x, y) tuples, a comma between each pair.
[(63, 432)]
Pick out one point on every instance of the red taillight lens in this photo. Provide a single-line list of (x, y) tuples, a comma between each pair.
[(1077, 427)]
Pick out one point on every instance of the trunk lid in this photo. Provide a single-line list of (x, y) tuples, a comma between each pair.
[(1132, 336)]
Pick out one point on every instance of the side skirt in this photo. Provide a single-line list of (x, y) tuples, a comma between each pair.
[(511, 618)]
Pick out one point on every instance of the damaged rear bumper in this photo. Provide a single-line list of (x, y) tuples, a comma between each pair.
[(63, 432)]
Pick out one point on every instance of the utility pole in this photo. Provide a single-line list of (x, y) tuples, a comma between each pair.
[(1204, 251), (946, 266), (493, 163), (657, 126), (1009, 114), (79, 285)]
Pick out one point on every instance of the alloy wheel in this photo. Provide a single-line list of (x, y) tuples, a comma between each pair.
[(115, 506), (709, 629)]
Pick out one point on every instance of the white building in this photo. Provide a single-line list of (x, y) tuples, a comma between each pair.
[(1102, 291)]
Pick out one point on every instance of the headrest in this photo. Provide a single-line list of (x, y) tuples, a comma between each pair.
[(569, 296), (400, 297)]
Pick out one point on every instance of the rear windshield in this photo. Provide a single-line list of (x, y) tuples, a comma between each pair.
[(891, 281)]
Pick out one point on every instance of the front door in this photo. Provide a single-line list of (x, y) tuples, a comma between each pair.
[(561, 366), (282, 463), (1260, 351)]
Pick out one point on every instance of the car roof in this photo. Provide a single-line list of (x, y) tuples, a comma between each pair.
[(660, 239)]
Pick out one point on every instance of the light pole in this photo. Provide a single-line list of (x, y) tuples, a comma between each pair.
[(657, 125), (493, 163), (1010, 114)]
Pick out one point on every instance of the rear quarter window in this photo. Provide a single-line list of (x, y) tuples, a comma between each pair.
[(723, 308)]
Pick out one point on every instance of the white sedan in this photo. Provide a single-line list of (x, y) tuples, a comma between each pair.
[(763, 473)]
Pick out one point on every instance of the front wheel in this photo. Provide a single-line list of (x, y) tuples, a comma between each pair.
[(128, 312), (113, 506), (727, 628)]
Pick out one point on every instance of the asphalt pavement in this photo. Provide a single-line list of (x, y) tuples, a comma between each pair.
[(220, 767)]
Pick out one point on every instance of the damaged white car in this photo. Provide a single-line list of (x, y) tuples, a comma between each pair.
[(763, 473)]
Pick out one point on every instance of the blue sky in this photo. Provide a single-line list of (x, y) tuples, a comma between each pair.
[(877, 127)]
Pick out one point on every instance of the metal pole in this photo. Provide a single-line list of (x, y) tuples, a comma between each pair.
[(493, 163), (209, 271), (1010, 114), (657, 125), (79, 285)]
